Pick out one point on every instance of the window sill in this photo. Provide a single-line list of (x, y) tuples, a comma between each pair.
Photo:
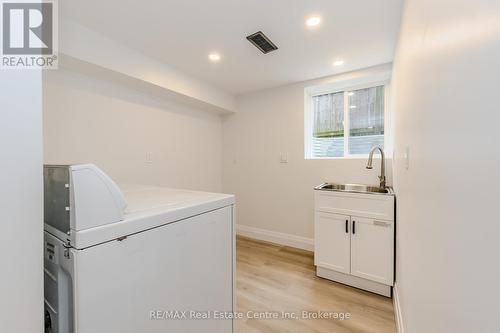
[(352, 157), (357, 157)]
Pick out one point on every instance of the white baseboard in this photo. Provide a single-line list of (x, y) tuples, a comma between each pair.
[(397, 310), (276, 237)]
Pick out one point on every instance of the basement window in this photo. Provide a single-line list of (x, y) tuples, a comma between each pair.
[(347, 122)]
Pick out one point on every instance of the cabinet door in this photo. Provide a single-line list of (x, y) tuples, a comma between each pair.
[(332, 241), (372, 249)]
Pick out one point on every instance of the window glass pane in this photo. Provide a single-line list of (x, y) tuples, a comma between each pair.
[(366, 119), (328, 130)]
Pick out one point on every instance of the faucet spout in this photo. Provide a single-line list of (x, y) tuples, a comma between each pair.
[(369, 165)]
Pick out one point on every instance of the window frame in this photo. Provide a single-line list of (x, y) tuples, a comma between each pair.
[(346, 87)]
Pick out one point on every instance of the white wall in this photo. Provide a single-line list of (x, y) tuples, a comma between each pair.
[(446, 81), (271, 195), (21, 238), (90, 120)]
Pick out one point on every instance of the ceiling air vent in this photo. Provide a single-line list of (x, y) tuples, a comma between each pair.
[(262, 42)]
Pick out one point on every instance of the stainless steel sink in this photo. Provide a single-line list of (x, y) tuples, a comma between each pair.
[(355, 188)]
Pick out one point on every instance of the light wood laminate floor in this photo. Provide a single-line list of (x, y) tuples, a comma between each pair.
[(280, 279)]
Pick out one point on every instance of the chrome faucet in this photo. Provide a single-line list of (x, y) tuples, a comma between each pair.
[(382, 168)]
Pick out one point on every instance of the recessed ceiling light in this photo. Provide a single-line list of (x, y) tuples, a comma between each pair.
[(313, 21), (338, 62), (214, 57), (350, 93)]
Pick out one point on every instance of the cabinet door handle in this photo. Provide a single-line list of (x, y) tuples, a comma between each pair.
[(353, 227), (381, 223), (346, 226)]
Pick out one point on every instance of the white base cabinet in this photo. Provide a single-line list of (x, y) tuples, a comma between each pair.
[(354, 239)]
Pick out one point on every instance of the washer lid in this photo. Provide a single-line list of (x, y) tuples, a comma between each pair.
[(150, 207)]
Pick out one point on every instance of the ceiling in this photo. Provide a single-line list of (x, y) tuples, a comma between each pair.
[(182, 33)]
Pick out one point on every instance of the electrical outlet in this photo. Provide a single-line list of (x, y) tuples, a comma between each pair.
[(283, 158)]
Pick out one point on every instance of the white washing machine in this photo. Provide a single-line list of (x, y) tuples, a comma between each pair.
[(134, 259)]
